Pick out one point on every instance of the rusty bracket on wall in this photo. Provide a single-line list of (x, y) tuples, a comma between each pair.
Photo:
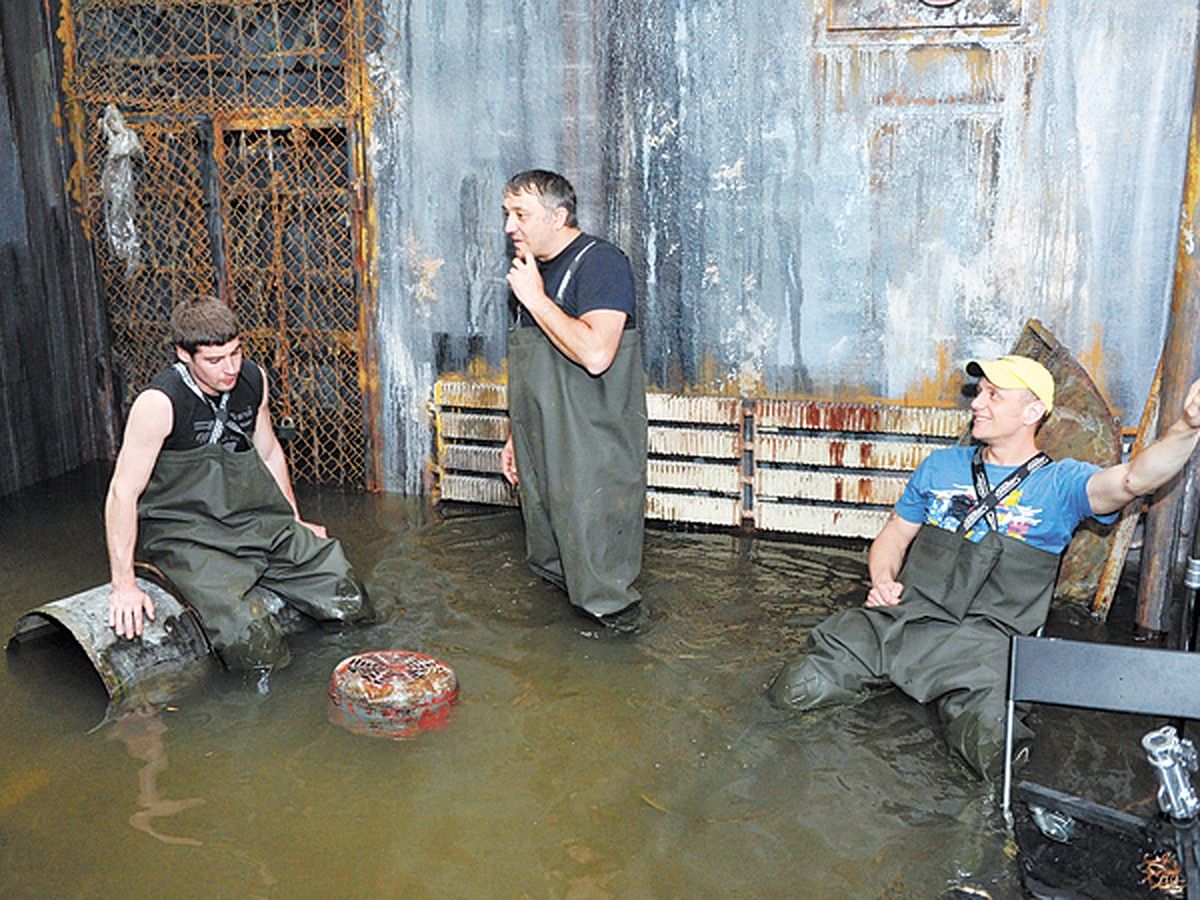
[(748, 473)]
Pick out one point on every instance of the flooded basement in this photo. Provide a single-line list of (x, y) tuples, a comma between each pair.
[(576, 764)]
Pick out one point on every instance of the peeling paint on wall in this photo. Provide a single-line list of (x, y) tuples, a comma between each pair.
[(846, 200)]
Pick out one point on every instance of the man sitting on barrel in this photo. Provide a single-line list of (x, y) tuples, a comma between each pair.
[(201, 485), (969, 557)]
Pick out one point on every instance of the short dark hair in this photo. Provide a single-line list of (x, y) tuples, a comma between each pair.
[(202, 322), (551, 188)]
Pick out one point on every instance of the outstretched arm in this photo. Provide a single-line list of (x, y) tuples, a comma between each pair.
[(150, 420), (885, 558), (268, 447), (590, 341), (1110, 489)]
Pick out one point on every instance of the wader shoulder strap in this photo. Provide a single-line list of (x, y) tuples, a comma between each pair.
[(521, 316), (989, 497), (562, 285)]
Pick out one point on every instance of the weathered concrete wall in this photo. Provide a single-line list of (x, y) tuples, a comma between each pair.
[(846, 197), (472, 92), (55, 405)]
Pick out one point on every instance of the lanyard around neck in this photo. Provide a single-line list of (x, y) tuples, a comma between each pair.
[(220, 411), (989, 497)]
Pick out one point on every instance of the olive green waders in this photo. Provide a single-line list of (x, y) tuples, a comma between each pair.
[(216, 523), (946, 642), (580, 444)]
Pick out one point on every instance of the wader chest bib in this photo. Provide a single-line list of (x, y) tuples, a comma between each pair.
[(946, 642), (998, 578), (580, 444), (216, 524)]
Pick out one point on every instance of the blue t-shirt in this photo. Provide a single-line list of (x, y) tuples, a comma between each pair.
[(1044, 510)]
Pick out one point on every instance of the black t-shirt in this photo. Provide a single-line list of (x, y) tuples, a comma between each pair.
[(602, 280)]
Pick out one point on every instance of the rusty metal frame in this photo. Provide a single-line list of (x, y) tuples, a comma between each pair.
[(188, 75)]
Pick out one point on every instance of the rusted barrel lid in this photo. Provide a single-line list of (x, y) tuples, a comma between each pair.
[(392, 693)]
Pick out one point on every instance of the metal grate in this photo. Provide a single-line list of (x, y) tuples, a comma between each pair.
[(786, 466), (185, 56), (251, 185)]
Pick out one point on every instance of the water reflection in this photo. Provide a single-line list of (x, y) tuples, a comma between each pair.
[(578, 764), (141, 732)]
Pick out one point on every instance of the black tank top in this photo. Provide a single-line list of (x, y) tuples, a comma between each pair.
[(196, 417)]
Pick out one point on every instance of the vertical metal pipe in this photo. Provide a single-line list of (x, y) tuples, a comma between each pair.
[(1166, 543), (748, 463)]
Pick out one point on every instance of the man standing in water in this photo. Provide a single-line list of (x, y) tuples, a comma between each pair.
[(577, 402), (954, 577), (202, 477)]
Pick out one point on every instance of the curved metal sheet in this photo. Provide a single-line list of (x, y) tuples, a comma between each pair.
[(1082, 426), (172, 653)]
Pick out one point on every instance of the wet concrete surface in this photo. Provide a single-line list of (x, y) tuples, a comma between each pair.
[(577, 763)]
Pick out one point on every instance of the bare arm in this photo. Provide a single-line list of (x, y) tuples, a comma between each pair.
[(885, 558), (150, 421), (1110, 489), (590, 341), (271, 451)]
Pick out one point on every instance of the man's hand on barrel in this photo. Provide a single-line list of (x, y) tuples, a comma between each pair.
[(128, 606)]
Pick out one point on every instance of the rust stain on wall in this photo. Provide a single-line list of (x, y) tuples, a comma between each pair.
[(1092, 358)]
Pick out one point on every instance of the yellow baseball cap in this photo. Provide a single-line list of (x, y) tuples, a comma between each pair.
[(1010, 372)]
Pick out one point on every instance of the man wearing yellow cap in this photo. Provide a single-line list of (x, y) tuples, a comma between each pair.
[(954, 576)]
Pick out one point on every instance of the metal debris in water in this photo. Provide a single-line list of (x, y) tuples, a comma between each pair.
[(1053, 824), (1163, 873), (1173, 758), (263, 685)]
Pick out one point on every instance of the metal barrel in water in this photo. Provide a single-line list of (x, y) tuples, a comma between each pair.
[(172, 653)]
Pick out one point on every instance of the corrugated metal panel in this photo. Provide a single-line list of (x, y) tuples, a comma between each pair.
[(698, 410), (473, 489), (659, 407), (722, 511), (827, 521), (471, 394), (901, 456), (692, 442), (881, 490), (693, 476), (472, 426), (471, 458), (875, 418), (799, 482)]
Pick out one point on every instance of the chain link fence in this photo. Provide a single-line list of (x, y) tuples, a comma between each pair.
[(250, 183)]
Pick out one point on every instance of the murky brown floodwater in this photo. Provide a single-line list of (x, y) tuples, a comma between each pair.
[(577, 764)]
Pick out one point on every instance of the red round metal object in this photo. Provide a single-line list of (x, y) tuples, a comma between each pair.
[(392, 693)]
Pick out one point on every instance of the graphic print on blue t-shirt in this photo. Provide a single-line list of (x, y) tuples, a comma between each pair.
[(1044, 510), (1014, 518)]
